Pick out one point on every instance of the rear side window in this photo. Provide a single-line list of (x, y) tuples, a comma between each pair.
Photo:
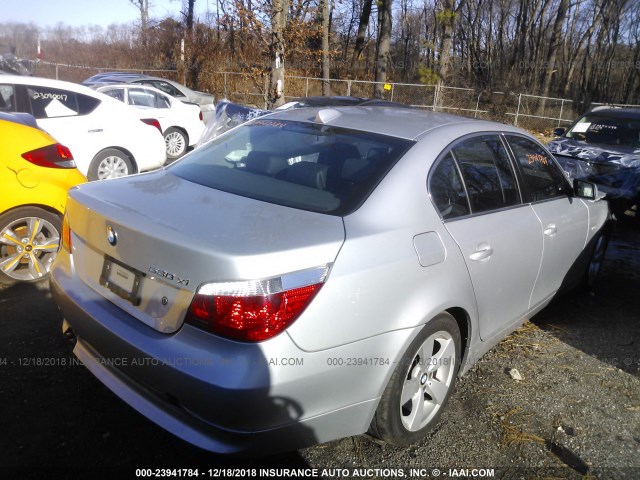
[(141, 98), (543, 180), (163, 86), (487, 173), (308, 166), (117, 93), (7, 98), (447, 191), (147, 98), (162, 101), (52, 102)]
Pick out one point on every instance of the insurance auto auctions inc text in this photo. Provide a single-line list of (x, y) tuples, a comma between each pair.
[(376, 472)]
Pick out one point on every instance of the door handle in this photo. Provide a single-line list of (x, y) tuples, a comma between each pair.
[(483, 252), (551, 230)]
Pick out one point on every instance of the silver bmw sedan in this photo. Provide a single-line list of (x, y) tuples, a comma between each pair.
[(319, 273)]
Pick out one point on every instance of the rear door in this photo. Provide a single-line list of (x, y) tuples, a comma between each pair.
[(475, 189), (564, 218)]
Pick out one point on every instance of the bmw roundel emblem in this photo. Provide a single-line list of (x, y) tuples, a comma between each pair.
[(112, 236)]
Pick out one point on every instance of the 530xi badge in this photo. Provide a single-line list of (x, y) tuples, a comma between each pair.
[(168, 275)]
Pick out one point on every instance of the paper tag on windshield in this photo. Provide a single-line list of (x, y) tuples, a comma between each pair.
[(581, 127)]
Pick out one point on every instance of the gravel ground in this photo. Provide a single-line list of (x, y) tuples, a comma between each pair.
[(575, 413)]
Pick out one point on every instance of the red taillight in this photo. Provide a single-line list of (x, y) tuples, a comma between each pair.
[(200, 116), (153, 122), (66, 234), (252, 311), (51, 156)]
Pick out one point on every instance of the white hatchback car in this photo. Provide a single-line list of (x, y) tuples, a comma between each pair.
[(106, 138), (181, 123)]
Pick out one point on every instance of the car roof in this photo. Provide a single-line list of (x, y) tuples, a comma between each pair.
[(48, 82), (129, 86), (135, 77), (21, 118), (395, 121), (616, 112)]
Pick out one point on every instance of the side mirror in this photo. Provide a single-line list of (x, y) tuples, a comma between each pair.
[(584, 189), (558, 132)]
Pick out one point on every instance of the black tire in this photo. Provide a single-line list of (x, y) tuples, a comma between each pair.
[(110, 163), (177, 142), (430, 367), (36, 233), (618, 207), (596, 259)]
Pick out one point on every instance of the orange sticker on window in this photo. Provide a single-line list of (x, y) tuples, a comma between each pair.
[(537, 158)]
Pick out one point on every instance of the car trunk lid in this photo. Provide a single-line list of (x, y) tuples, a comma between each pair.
[(146, 242)]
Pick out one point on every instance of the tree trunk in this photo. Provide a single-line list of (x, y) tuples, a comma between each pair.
[(192, 71), (383, 46), (324, 12), (143, 7), (554, 47), (447, 18), (360, 38), (275, 95), (595, 23)]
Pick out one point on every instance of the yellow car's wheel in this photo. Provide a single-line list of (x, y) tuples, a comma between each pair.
[(29, 241)]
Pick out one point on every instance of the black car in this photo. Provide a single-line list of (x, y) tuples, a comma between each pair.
[(604, 147)]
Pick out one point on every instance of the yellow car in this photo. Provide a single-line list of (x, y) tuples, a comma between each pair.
[(35, 174)]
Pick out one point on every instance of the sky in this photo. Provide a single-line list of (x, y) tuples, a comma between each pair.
[(78, 13)]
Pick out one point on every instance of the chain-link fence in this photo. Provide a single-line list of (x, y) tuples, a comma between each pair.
[(527, 111), (79, 73), (535, 112)]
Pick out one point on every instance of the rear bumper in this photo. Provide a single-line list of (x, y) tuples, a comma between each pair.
[(186, 426), (223, 396)]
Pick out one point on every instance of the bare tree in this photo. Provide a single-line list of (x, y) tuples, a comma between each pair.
[(191, 70), (361, 35), (447, 18), (278, 14), (143, 7), (554, 47), (383, 46), (324, 15)]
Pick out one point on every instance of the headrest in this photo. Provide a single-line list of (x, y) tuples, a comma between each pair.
[(308, 174), (264, 163)]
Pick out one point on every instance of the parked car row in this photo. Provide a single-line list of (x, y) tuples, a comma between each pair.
[(100, 138), (384, 249), (180, 123), (106, 138), (205, 101)]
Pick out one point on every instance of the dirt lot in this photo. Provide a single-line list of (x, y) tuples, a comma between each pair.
[(574, 414)]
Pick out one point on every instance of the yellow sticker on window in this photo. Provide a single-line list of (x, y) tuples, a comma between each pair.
[(537, 158)]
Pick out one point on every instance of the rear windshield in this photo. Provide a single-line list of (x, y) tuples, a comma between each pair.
[(607, 130), (312, 167)]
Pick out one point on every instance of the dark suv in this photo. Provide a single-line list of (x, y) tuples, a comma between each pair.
[(604, 147)]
